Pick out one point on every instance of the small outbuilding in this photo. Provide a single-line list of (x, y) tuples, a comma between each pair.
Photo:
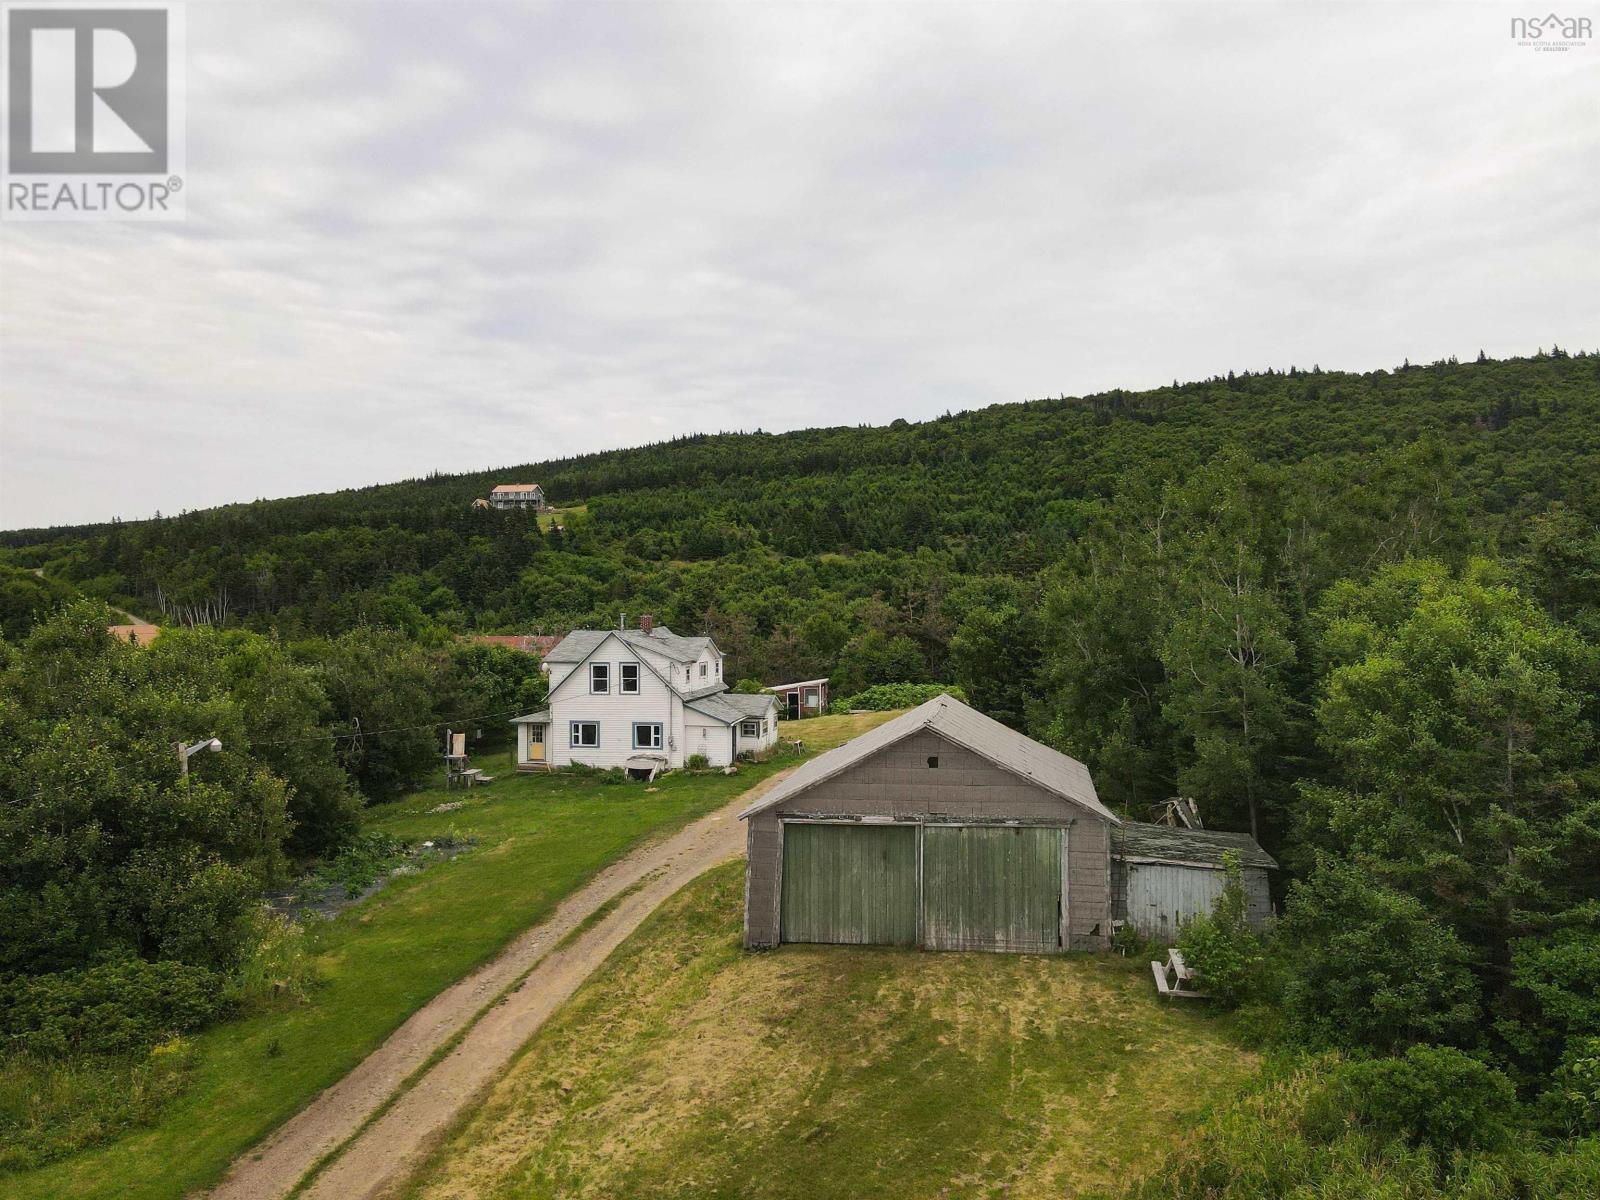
[(1162, 875), (947, 830), (807, 698)]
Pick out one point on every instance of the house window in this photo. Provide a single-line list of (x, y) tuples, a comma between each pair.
[(599, 678), (750, 729), (646, 737), (933, 761), (702, 670), (811, 697), (719, 668), (628, 679), (584, 735)]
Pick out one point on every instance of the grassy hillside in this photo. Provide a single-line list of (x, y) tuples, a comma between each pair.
[(534, 839), (690, 1068)]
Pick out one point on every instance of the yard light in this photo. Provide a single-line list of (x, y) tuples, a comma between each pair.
[(185, 753)]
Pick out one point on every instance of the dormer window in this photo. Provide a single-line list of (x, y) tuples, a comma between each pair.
[(599, 678), (702, 670)]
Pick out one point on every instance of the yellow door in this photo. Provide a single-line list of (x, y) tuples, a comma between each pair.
[(535, 743)]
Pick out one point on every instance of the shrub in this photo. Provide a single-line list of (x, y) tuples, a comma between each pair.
[(117, 1008), (1554, 997), (696, 762), (1274, 1142), (355, 868), (1369, 968), (1224, 950), (1431, 1096), (279, 969), (1572, 1103), (886, 696)]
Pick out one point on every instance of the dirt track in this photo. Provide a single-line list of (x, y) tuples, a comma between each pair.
[(380, 1157)]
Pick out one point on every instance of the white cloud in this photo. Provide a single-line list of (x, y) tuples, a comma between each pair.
[(441, 236)]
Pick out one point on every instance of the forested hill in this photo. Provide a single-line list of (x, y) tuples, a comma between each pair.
[(1090, 569)]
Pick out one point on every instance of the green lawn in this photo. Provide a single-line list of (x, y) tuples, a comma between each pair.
[(540, 838), (688, 1067)]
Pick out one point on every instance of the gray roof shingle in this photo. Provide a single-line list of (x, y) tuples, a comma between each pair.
[(1001, 745), (1167, 843), (581, 643)]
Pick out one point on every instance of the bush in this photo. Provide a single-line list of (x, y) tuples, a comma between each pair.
[(355, 868), (1554, 997), (1370, 969), (278, 970), (1223, 949), (118, 1008), (887, 696), (1284, 1139), (1430, 1096), (1572, 1103)]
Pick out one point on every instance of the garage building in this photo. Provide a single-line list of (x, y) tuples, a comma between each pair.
[(947, 830), (941, 828)]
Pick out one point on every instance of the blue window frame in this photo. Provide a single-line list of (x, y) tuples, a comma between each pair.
[(646, 735)]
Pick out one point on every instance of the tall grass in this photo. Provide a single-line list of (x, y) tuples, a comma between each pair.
[(50, 1108)]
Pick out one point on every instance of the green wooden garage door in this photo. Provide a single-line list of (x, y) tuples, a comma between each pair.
[(855, 884), (991, 888)]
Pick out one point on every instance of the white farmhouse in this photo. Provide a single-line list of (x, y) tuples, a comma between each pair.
[(641, 699)]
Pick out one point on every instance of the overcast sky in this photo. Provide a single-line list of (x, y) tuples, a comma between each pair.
[(445, 236)]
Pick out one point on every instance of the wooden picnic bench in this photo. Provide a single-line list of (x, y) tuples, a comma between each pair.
[(1181, 974)]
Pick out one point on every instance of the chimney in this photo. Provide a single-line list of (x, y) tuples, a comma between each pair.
[(647, 622)]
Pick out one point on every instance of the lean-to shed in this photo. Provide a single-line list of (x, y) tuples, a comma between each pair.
[(1162, 875)]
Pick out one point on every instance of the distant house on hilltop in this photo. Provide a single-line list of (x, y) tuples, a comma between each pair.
[(517, 495), (642, 699)]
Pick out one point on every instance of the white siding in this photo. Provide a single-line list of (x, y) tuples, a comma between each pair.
[(614, 711), (708, 736)]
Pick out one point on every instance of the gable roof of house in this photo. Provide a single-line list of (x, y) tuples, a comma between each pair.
[(513, 487), (1142, 842), (581, 643), (1005, 747), (729, 707)]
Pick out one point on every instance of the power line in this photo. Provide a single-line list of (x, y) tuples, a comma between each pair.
[(362, 734)]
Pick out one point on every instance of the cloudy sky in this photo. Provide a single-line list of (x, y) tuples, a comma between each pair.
[(445, 236)]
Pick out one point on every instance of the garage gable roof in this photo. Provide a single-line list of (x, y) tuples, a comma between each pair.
[(1005, 747)]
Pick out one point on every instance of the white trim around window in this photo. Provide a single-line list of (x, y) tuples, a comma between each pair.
[(583, 735), (750, 729), (599, 678), (647, 735), (628, 678)]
